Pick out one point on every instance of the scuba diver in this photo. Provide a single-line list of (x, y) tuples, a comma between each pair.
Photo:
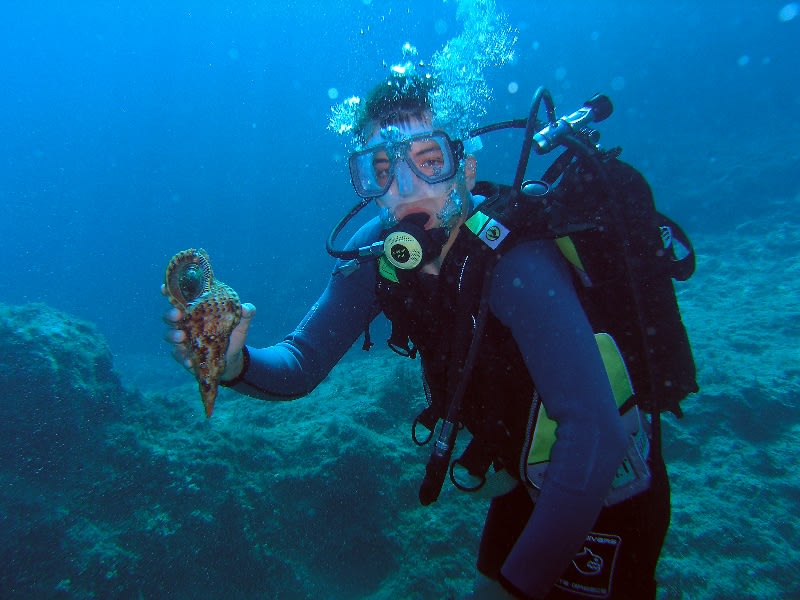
[(479, 282)]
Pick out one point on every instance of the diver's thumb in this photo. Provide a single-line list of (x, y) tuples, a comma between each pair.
[(239, 333)]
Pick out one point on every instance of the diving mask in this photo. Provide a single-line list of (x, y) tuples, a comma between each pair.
[(432, 156)]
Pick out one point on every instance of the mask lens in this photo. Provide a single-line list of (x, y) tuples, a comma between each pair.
[(429, 155), (371, 172)]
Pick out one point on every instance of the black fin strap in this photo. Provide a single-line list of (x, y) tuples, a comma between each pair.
[(428, 419), (399, 341), (367, 339), (476, 458)]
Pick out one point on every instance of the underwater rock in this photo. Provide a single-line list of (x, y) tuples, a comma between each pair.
[(58, 386)]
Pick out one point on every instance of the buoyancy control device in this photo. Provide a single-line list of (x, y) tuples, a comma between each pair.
[(626, 255)]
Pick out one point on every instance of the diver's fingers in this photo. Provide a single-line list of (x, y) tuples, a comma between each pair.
[(248, 311), (175, 336), (165, 293), (173, 316), (180, 355)]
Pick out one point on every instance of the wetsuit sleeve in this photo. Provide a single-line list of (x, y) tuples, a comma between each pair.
[(532, 294), (295, 366)]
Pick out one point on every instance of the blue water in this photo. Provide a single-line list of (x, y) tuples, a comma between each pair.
[(132, 130)]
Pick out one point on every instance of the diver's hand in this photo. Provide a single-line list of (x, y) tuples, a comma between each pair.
[(234, 361), (233, 356)]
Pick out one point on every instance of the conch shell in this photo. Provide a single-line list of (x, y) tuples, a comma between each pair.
[(211, 310)]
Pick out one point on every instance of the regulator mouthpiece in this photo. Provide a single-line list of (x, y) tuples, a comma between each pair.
[(409, 246)]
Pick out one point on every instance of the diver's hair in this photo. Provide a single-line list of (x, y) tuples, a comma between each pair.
[(396, 101)]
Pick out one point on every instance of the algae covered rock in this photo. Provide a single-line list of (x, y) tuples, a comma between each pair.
[(58, 387)]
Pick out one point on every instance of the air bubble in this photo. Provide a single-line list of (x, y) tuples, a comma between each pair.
[(789, 12), (460, 97)]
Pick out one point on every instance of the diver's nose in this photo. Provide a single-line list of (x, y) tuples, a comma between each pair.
[(404, 178)]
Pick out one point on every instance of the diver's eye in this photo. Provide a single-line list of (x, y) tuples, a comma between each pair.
[(432, 167), (381, 167), (428, 158)]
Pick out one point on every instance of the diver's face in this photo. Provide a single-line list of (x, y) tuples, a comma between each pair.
[(408, 193)]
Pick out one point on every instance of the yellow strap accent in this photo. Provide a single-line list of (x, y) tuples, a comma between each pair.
[(615, 368), (544, 434), (570, 252), (387, 270), (477, 222)]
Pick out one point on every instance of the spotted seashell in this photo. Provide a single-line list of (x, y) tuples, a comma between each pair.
[(211, 310)]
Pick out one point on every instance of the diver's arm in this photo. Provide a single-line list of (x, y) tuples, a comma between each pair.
[(533, 295), (295, 366)]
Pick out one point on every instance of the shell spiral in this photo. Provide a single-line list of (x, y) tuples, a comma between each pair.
[(189, 275)]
